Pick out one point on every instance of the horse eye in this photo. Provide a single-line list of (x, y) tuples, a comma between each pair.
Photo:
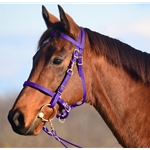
[(57, 61)]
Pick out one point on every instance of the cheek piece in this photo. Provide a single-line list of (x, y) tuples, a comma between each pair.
[(77, 59)]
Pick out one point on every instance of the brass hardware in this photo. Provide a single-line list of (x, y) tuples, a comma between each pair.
[(62, 121), (70, 71), (82, 61)]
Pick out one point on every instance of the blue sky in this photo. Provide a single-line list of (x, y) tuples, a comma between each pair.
[(21, 26)]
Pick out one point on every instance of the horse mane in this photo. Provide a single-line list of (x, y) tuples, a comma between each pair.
[(117, 53), (135, 62)]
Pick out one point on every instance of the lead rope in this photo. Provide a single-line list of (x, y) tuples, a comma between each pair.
[(57, 138), (53, 131)]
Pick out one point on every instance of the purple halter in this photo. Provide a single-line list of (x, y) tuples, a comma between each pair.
[(76, 58), (56, 96)]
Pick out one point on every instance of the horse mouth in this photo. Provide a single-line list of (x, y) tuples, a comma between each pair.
[(35, 127), (20, 125)]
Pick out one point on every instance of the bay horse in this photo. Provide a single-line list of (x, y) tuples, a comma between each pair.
[(74, 65)]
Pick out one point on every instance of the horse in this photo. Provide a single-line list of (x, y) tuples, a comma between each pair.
[(75, 65)]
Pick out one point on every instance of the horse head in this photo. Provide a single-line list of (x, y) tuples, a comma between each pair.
[(55, 83)]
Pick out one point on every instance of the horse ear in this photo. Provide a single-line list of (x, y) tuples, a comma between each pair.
[(48, 17), (63, 18), (67, 21)]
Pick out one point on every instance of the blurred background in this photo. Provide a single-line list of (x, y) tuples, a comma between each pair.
[(21, 26)]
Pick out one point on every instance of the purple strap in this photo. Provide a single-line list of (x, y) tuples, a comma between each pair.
[(38, 87), (77, 43), (61, 140)]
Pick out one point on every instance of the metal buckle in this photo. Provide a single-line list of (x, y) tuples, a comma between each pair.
[(70, 71), (80, 102), (68, 110), (81, 57), (75, 51)]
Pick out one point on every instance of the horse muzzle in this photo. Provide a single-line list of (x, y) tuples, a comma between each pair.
[(17, 122)]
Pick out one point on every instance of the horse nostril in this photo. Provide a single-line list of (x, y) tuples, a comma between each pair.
[(18, 119)]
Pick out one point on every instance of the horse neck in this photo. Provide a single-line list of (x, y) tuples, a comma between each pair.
[(122, 102)]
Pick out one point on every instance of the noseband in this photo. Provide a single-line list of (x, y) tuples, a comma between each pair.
[(56, 96)]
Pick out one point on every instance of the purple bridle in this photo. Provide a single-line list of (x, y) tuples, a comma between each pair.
[(56, 96)]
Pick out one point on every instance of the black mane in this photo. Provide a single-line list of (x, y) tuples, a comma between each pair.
[(135, 62)]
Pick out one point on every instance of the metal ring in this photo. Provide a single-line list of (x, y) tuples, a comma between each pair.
[(55, 113), (61, 121), (43, 119)]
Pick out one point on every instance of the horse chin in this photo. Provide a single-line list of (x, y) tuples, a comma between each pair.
[(35, 127)]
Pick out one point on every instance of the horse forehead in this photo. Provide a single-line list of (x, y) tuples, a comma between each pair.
[(54, 45), (60, 46)]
